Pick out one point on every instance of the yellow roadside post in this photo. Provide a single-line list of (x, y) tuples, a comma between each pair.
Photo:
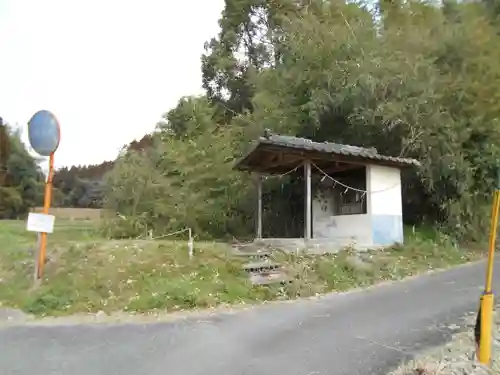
[(485, 317)]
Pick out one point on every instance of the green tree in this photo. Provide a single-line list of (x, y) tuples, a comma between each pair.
[(191, 116), (249, 42), (409, 78), (185, 180), (23, 182), (4, 152)]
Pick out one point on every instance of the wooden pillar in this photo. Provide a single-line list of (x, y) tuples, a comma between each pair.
[(259, 207), (307, 199)]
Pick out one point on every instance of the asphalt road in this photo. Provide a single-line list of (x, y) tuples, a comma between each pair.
[(365, 332)]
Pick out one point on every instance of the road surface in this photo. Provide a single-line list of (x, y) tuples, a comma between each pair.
[(364, 332)]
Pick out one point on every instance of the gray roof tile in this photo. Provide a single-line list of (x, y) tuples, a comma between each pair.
[(333, 148)]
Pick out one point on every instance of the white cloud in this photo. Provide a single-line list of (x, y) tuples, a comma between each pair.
[(107, 69)]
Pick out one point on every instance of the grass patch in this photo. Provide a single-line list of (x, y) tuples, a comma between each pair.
[(88, 274)]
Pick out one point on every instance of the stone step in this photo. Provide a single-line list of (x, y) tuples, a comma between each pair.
[(250, 249), (261, 270), (267, 278), (253, 254), (261, 266)]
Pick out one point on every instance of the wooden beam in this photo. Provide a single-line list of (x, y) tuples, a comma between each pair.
[(308, 200), (325, 156), (259, 207), (271, 157), (338, 167), (284, 161), (278, 160)]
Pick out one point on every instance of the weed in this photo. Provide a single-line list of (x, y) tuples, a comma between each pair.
[(89, 274)]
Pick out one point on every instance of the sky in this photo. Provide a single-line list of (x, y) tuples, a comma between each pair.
[(107, 69)]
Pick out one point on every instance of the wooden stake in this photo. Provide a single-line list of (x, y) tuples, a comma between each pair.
[(307, 198), (259, 207)]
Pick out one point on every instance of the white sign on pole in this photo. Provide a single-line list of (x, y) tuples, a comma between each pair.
[(40, 223)]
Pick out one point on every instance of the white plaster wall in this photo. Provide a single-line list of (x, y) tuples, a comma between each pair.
[(384, 185), (342, 230), (380, 226), (385, 204)]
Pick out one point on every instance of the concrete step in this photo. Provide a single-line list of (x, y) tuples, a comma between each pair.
[(251, 254), (261, 270), (261, 266), (250, 250), (267, 278)]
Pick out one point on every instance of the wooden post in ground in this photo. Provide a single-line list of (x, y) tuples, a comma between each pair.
[(259, 207), (46, 207), (190, 243), (307, 199)]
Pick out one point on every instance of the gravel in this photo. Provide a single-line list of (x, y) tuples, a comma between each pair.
[(458, 356)]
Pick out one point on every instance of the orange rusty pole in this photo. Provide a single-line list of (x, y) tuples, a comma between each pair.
[(46, 206)]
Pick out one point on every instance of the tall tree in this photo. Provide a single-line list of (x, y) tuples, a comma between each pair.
[(186, 179), (409, 78), (400, 88), (4, 152), (22, 186), (249, 41), (191, 116)]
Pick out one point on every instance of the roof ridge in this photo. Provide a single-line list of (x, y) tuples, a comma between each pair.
[(341, 145), (368, 155)]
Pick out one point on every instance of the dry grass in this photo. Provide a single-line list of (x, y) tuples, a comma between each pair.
[(87, 273), (421, 368), (443, 367)]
